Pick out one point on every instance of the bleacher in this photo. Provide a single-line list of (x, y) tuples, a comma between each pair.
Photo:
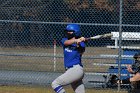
[(127, 51)]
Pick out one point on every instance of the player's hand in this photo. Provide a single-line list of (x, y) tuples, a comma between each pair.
[(79, 40), (82, 39), (129, 68)]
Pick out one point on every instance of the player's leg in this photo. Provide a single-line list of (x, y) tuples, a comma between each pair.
[(78, 86), (71, 75), (57, 85)]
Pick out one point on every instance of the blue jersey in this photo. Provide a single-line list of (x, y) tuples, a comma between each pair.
[(72, 53)]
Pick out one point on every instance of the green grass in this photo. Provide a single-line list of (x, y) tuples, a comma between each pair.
[(21, 89), (28, 89)]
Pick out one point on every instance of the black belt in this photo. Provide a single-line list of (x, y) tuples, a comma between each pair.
[(72, 66)]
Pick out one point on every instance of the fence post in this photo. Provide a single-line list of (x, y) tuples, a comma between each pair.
[(54, 54), (120, 43)]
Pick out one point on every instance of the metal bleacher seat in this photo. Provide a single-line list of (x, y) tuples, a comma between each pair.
[(127, 51)]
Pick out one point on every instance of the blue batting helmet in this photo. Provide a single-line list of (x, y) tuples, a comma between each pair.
[(74, 28)]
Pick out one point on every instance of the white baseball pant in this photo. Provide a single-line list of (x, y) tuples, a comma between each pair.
[(72, 76)]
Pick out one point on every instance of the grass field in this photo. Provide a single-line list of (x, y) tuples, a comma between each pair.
[(25, 89)]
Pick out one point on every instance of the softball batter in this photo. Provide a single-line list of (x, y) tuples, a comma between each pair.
[(73, 48)]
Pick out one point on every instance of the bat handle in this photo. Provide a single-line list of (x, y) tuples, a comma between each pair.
[(86, 39)]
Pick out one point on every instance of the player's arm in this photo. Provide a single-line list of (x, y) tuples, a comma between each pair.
[(129, 68), (73, 40), (69, 42), (136, 77)]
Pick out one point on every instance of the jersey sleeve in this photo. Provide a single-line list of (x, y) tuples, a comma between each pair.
[(82, 44), (63, 40), (81, 49)]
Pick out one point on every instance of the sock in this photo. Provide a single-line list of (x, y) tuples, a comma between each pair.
[(59, 89)]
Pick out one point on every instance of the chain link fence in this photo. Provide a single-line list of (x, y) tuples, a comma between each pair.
[(31, 31)]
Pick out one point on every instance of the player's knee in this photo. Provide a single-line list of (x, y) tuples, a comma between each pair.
[(54, 84)]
